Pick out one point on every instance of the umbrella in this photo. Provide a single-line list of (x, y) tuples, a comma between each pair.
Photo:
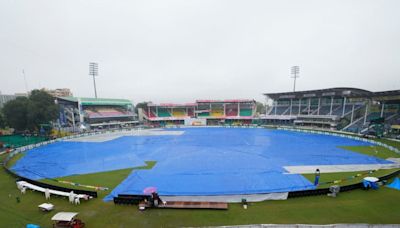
[(149, 190)]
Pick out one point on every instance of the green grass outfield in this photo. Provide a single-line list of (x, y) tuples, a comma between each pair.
[(359, 206)]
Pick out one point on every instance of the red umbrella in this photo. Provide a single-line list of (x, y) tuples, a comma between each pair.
[(149, 190)]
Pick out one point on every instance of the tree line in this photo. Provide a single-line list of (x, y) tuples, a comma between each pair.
[(29, 113)]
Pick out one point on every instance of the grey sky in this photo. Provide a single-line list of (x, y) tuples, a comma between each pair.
[(180, 51)]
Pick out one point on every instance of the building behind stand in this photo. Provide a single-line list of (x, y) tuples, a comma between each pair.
[(95, 113)]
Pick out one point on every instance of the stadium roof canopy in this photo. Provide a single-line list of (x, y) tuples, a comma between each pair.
[(390, 96), (172, 105), (97, 101), (226, 101), (331, 92)]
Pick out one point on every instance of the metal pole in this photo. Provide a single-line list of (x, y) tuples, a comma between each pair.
[(94, 83), (224, 109), (299, 107), (73, 120), (295, 70), (366, 114), (80, 111), (319, 105), (93, 70), (344, 106)]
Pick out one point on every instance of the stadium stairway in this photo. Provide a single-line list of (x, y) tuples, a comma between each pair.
[(278, 110), (358, 125), (324, 110), (315, 111), (337, 111), (287, 111), (355, 126)]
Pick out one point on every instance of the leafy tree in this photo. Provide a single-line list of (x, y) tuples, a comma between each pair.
[(42, 109), (28, 113), (260, 108), (2, 120), (15, 113)]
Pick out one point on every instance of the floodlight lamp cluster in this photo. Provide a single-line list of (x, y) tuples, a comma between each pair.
[(93, 69), (295, 70)]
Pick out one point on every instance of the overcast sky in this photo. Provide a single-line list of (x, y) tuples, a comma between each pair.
[(180, 51)]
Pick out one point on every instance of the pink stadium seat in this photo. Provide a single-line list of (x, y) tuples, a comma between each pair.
[(106, 112)]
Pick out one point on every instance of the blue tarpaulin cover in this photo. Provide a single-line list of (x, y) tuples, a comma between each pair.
[(395, 184), (202, 161), (32, 226)]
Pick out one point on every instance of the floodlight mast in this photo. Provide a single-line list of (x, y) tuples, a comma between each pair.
[(295, 71), (94, 71)]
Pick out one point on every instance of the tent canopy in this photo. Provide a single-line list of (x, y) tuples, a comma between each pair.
[(64, 216)]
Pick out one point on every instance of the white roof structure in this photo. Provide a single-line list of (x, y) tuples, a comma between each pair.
[(371, 179), (21, 184), (64, 216), (46, 206)]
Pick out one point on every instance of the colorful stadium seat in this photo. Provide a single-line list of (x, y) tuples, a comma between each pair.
[(179, 112), (246, 112), (162, 112), (100, 112), (217, 112)]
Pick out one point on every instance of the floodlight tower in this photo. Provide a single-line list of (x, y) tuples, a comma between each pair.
[(295, 71), (94, 71)]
